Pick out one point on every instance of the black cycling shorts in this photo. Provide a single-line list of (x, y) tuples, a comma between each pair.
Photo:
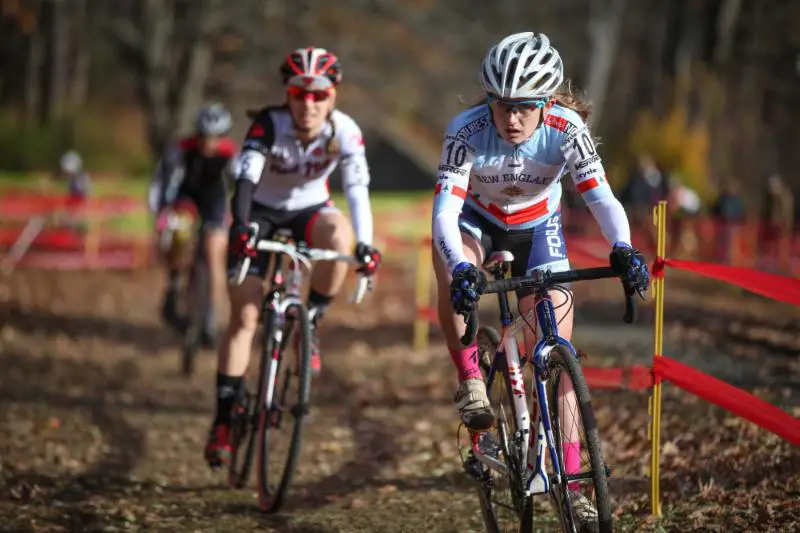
[(300, 222), (212, 205)]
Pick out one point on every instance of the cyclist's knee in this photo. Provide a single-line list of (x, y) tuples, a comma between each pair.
[(216, 241), (333, 231), (245, 318), (245, 300)]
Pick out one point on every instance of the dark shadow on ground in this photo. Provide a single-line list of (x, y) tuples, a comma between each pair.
[(40, 379), (148, 338)]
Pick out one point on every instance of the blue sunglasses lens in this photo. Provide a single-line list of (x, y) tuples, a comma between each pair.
[(538, 102)]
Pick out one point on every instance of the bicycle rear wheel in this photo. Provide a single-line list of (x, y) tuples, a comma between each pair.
[(281, 427), (575, 428), (197, 303), (504, 506)]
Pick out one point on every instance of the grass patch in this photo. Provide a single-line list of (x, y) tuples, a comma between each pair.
[(395, 213)]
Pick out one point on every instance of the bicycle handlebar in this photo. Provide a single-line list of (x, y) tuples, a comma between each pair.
[(546, 281), (303, 255)]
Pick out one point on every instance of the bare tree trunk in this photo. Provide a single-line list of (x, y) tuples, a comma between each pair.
[(192, 91), (57, 32), (79, 83), (33, 76), (605, 24)]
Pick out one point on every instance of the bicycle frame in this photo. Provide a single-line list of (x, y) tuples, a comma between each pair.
[(284, 291), (536, 480)]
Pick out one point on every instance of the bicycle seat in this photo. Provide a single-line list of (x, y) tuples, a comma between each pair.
[(498, 262)]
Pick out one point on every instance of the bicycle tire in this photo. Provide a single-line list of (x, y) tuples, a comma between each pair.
[(243, 432), (248, 433), (561, 357), (489, 338), (300, 326), (198, 301)]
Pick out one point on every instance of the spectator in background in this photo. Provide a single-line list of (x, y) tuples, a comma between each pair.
[(78, 183), (685, 205), (729, 214), (646, 186), (777, 221)]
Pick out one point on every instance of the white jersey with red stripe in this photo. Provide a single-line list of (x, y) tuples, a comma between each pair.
[(290, 176), (517, 187)]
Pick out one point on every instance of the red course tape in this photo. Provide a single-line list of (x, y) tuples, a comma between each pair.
[(728, 397)]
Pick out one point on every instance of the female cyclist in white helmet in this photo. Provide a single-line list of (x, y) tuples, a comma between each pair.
[(499, 189)]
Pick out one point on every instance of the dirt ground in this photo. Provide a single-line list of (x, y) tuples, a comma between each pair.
[(99, 433)]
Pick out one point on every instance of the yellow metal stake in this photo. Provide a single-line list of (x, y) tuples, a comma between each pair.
[(660, 215)]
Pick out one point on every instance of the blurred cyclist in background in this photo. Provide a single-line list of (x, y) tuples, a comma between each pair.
[(197, 169), (282, 176)]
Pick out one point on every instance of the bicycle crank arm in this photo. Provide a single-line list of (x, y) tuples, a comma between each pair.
[(488, 455)]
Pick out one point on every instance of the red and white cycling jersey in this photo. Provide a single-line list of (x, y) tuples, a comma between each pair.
[(290, 176)]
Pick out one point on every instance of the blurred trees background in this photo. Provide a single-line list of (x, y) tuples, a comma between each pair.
[(710, 87)]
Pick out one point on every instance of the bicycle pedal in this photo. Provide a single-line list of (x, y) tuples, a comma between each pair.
[(299, 410), (473, 468), (488, 445)]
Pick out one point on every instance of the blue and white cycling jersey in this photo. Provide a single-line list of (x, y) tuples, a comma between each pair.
[(518, 187)]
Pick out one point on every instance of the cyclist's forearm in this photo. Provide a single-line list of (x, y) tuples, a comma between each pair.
[(242, 201), (612, 219), (447, 238), (361, 212)]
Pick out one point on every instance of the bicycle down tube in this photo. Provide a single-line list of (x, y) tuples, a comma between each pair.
[(536, 479)]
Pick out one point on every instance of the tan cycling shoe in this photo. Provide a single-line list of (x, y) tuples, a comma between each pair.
[(473, 405)]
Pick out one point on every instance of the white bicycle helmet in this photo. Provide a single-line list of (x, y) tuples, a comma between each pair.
[(71, 162), (213, 121), (522, 65)]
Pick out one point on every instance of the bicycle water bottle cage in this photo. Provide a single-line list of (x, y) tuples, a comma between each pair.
[(498, 263)]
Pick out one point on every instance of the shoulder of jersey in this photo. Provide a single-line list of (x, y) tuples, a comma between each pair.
[(470, 122), (564, 120), (347, 129), (344, 122), (186, 144), (227, 147)]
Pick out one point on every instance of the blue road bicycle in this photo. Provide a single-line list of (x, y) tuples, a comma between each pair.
[(564, 459)]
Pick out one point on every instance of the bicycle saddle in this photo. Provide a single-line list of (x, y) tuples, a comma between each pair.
[(498, 262)]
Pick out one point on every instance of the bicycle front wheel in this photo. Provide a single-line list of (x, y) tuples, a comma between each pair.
[(581, 499), (281, 427), (504, 506)]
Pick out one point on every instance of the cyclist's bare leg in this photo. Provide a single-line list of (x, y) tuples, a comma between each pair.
[(234, 349), (566, 394), (216, 244), (332, 231), (233, 358), (471, 399)]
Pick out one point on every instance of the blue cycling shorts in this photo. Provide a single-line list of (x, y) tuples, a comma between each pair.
[(539, 248)]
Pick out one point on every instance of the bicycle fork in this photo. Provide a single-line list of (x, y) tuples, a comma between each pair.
[(278, 308), (531, 451)]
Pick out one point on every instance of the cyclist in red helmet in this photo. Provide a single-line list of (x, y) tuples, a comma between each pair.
[(197, 168), (281, 181)]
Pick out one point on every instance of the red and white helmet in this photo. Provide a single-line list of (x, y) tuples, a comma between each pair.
[(307, 66)]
